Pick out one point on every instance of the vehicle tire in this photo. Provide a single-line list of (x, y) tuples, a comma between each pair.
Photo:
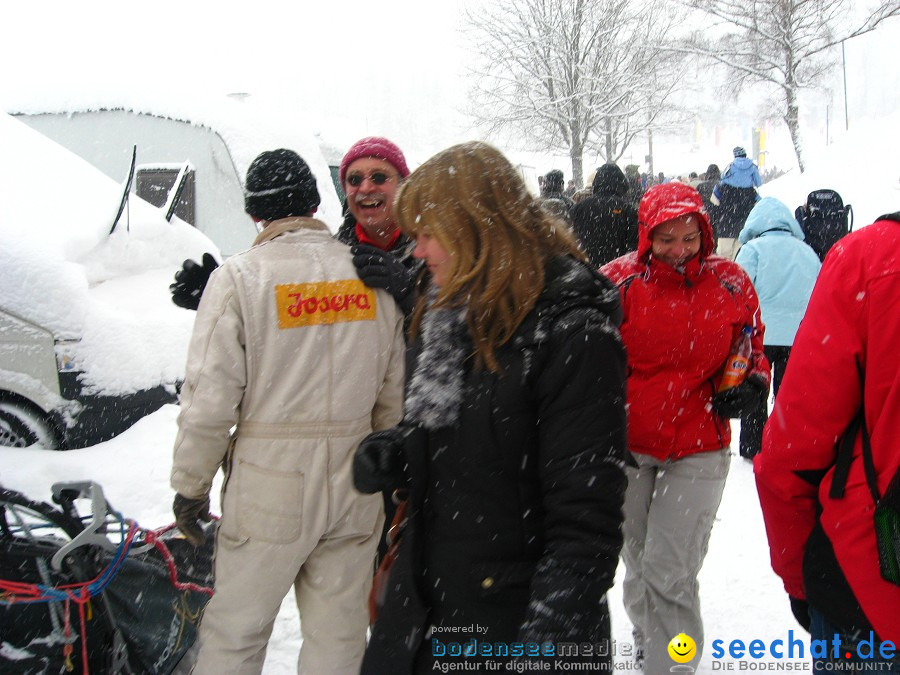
[(20, 427)]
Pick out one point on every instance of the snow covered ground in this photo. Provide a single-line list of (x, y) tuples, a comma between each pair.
[(742, 598)]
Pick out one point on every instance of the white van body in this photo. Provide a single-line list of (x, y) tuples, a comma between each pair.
[(90, 340), (218, 137)]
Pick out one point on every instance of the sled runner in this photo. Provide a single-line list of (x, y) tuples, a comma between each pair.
[(96, 593)]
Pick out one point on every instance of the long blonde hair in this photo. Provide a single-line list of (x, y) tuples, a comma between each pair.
[(471, 199)]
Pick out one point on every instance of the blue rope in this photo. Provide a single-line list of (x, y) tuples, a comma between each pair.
[(53, 594)]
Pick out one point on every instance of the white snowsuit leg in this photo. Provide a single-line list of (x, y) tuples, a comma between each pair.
[(252, 578), (332, 593), (310, 529)]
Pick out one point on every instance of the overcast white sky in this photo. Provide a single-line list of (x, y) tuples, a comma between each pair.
[(362, 66), (353, 67)]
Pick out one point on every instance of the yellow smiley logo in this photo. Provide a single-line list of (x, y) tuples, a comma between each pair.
[(682, 648)]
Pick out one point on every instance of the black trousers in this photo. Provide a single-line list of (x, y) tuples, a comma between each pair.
[(753, 421)]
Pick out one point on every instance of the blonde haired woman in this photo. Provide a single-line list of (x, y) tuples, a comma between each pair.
[(513, 445)]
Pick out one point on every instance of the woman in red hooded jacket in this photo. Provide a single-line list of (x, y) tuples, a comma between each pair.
[(683, 310)]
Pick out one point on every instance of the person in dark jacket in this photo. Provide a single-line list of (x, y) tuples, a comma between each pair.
[(705, 187), (735, 196), (514, 437), (371, 173), (606, 224), (635, 185), (554, 197)]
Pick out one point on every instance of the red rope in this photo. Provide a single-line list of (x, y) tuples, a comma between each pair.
[(67, 649), (84, 650), (79, 593), (153, 538)]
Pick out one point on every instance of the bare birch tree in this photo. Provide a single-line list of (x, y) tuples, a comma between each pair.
[(786, 44), (572, 75)]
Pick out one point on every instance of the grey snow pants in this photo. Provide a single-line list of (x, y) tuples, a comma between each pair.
[(669, 511)]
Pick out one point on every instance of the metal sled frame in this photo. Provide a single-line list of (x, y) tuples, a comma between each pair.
[(101, 563), (43, 527)]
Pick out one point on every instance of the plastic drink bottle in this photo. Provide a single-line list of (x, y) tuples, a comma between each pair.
[(738, 360)]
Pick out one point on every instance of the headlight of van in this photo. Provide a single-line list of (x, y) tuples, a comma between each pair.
[(65, 355)]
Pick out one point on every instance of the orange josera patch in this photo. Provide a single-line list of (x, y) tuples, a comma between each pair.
[(324, 302)]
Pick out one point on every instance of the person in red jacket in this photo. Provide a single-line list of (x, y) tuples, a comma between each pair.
[(845, 358), (684, 309)]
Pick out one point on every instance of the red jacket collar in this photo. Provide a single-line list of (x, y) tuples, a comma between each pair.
[(691, 273), (364, 238)]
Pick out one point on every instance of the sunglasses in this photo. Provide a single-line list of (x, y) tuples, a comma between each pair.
[(377, 177)]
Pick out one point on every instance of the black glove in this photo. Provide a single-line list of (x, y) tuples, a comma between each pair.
[(378, 462), (382, 269), (736, 401), (800, 608), (190, 281), (187, 512)]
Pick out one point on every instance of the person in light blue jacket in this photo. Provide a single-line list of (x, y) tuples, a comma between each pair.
[(741, 173), (783, 270)]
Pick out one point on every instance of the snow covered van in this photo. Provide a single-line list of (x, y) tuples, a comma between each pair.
[(89, 338)]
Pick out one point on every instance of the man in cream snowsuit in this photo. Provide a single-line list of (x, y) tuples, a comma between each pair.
[(292, 351)]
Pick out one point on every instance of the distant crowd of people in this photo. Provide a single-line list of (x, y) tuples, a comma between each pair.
[(531, 389), (727, 197)]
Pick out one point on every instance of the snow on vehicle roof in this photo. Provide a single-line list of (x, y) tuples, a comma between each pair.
[(62, 270), (247, 126)]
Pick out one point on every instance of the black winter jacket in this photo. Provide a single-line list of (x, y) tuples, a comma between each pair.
[(735, 205), (517, 508), (401, 249), (606, 223), (705, 188)]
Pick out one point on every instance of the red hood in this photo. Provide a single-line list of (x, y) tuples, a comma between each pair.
[(665, 202)]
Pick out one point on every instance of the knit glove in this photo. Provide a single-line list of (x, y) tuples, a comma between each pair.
[(190, 281), (378, 462), (736, 401), (382, 269), (800, 609), (187, 514)]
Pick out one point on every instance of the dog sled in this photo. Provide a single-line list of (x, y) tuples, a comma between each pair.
[(96, 593)]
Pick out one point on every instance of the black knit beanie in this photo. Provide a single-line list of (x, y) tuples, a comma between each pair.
[(280, 184), (554, 180)]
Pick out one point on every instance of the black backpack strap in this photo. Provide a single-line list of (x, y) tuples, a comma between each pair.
[(868, 462), (844, 456), (845, 451)]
